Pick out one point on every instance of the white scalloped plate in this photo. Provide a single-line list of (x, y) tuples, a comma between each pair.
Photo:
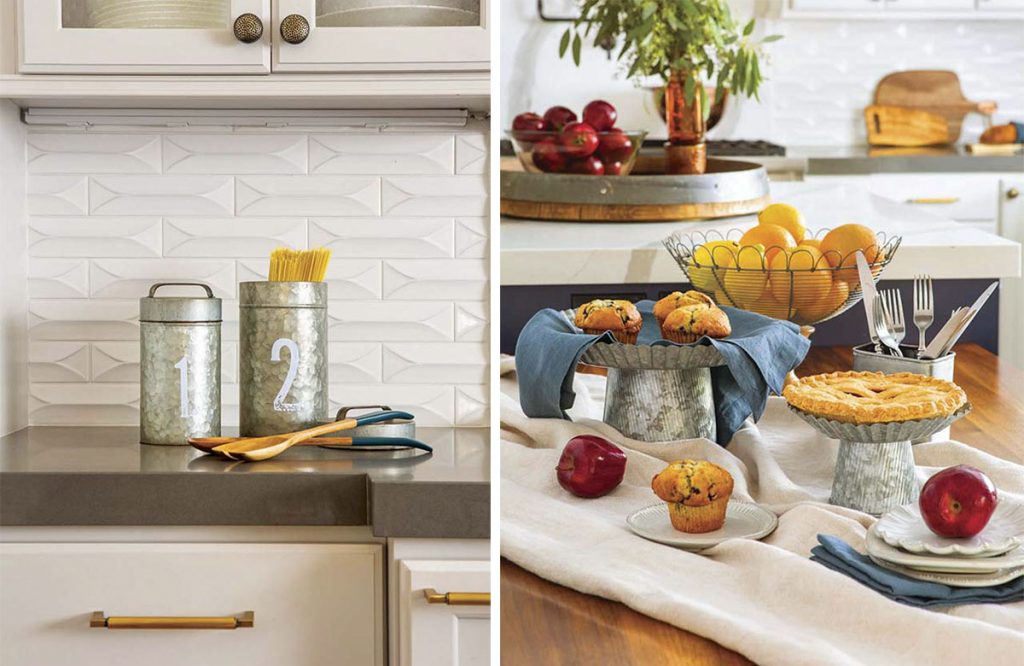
[(941, 563), (743, 520), (903, 527), (954, 579)]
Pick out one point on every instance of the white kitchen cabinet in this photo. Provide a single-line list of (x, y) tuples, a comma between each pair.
[(1011, 292), (957, 196), (129, 36), (313, 604), (928, 5), (382, 35), (1001, 5), (845, 5)]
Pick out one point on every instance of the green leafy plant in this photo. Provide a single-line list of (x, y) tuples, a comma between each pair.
[(696, 40)]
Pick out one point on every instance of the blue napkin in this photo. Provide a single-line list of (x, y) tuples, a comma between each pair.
[(839, 556), (759, 354), (1020, 131)]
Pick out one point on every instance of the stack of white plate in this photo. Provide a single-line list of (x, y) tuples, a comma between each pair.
[(397, 13), (133, 14), (900, 541)]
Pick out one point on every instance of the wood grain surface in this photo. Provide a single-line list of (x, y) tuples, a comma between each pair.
[(545, 623), (574, 212)]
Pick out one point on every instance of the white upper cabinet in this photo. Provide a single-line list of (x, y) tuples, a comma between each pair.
[(855, 5), (929, 5), (144, 36), (904, 9), (1001, 5), (374, 35)]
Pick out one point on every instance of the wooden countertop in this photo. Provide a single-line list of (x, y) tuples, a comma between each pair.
[(545, 623)]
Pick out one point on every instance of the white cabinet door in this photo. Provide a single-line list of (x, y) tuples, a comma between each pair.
[(1000, 5), (928, 5), (141, 37), (383, 35), (314, 604), (957, 196), (437, 634), (1011, 291), (858, 5)]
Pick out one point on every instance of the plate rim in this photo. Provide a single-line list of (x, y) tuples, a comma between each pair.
[(972, 579), (771, 525), (920, 546), (959, 564)]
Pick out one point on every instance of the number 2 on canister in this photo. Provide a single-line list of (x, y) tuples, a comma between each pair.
[(182, 366), (293, 369)]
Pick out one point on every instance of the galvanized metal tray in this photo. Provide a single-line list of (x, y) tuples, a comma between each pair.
[(652, 357)]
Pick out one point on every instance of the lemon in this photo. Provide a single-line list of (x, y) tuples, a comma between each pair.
[(715, 252), (745, 279), (785, 216), (801, 277)]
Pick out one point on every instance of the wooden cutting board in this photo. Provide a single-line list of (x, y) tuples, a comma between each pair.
[(935, 91), (900, 126)]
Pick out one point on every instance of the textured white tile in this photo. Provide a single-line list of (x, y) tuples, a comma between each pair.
[(389, 237), (82, 152), (58, 362), (435, 195), (347, 279), (380, 321), (132, 278), (94, 236), (231, 237), (235, 153), (161, 195), (81, 404), (471, 406), (432, 405), (435, 363), (456, 279), (58, 278), (57, 195), (228, 360), (471, 322), (308, 195), (115, 362), (381, 153), (471, 153), (354, 362), (59, 319), (471, 237)]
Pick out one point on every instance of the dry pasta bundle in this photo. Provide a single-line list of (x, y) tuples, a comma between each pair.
[(288, 265)]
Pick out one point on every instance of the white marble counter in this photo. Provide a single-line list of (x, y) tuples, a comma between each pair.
[(550, 253)]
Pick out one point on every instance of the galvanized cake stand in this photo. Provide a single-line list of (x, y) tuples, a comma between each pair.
[(658, 393), (875, 465)]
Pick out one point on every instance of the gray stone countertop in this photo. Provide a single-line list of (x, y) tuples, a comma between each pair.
[(103, 476)]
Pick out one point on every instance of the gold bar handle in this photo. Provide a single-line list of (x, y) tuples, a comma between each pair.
[(457, 598), (934, 200), (100, 621)]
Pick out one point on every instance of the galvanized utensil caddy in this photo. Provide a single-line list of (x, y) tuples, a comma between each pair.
[(282, 356), (180, 366)]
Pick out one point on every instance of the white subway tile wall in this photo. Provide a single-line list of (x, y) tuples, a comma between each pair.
[(405, 215)]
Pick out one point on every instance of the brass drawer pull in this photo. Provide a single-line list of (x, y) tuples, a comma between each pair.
[(248, 28), (294, 28), (934, 200), (457, 598), (101, 621)]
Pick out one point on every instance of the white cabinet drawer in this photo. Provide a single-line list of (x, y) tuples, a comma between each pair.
[(314, 604), (956, 196)]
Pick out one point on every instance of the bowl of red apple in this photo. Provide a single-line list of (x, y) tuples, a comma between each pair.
[(561, 142)]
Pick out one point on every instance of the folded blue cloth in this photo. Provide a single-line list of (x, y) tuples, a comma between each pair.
[(839, 556), (1020, 131), (759, 354)]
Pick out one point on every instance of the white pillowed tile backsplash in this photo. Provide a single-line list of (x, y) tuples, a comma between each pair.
[(405, 215)]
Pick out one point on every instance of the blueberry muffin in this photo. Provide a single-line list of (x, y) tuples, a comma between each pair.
[(678, 299), (691, 322), (697, 493), (620, 317)]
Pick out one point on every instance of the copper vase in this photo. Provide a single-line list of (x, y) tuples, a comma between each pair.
[(686, 151)]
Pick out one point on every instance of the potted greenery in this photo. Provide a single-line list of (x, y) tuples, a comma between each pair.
[(685, 43)]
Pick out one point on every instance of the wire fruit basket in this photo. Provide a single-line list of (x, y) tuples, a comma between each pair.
[(802, 284)]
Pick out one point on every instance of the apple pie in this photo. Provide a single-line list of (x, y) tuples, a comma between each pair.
[(873, 397)]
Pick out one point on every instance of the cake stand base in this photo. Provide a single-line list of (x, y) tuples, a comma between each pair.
[(874, 478), (660, 405)]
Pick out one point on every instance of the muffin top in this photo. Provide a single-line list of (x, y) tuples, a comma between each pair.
[(609, 315), (692, 483), (678, 299), (699, 320)]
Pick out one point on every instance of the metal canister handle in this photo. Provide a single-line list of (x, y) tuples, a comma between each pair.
[(343, 412), (152, 290)]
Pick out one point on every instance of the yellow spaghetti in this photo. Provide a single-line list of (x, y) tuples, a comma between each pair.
[(288, 265)]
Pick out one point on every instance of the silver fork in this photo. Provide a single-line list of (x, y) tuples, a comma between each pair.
[(894, 310), (924, 309), (882, 326)]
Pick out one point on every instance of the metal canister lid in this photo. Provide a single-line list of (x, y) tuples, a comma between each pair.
[(180, 309), (265, 294)]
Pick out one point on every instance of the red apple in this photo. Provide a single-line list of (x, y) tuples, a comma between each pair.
[(590, 466), (614, 147), (600, 115), (549, 155), (526, 126), (958, 501), (579, 139), (558, 117), (613, 168), (588, 166)]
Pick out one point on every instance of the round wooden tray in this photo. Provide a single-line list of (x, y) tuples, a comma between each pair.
[(730, 187)]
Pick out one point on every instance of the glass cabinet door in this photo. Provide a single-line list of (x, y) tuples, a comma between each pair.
[(145, 36), (378, 35)]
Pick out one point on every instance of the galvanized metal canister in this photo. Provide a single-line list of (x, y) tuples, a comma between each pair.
[(282, 356), (660, 405), (180, 366)]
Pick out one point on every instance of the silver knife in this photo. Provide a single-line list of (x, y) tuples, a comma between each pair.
[(972, 313), (867, 284)]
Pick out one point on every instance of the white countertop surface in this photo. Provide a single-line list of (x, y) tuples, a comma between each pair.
[(554, 253)]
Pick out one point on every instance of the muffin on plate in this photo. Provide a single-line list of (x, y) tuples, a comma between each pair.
[(691, 322), (620, 317), (678, 299), (697, 493)]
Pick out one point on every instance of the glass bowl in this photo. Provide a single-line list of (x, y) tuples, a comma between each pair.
[(543, 152)]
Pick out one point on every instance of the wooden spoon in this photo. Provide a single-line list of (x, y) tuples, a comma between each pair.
[(262, 448)]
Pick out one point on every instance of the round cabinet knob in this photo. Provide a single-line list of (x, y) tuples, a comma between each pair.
[(248, 28), (1012, 193), (294, 29)]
